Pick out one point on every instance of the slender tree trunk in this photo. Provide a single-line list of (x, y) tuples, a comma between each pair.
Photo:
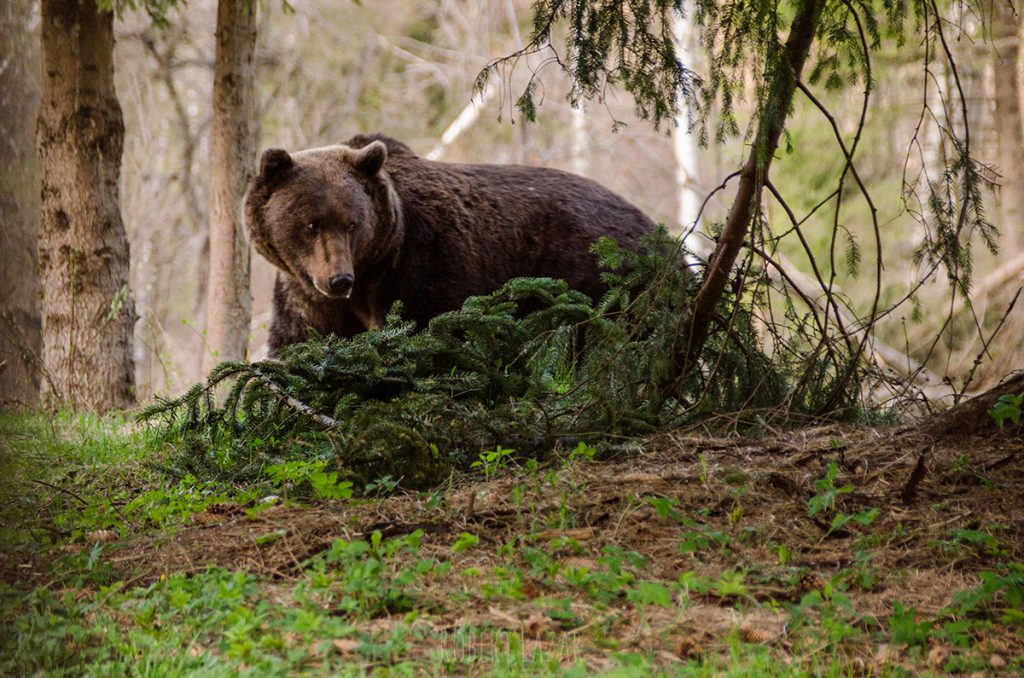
[(19, 206), (580, 143), (87, 308), (772, 120), (1007, 27), (685, 148), (232, 160)]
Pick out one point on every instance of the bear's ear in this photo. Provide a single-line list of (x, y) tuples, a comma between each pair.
[(370, 159), (273, 162)]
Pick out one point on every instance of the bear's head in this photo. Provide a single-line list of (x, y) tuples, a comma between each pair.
[(324, 215)]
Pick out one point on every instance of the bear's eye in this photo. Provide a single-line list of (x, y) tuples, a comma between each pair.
[(351, 225), (313, 227)]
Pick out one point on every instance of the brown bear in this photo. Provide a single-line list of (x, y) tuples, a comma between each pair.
[(354, 227)]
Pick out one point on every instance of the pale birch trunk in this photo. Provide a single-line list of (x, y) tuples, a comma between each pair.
[(580, 152), (686, 152), (1006, 34)]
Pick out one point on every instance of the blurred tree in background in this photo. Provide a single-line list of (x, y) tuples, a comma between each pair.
[(232, 164), (330, 70), (20, 337)]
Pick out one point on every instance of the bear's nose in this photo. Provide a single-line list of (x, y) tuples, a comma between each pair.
[(341, 285)]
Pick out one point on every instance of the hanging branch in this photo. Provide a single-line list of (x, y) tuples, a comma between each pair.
[(775, 107)]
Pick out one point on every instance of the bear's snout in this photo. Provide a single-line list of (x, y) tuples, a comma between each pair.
[(341, 285)]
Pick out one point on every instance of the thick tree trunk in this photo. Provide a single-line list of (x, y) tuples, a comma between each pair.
[(87, 308), (20, 339), (232, 160), (781, 86), (1007, 27)]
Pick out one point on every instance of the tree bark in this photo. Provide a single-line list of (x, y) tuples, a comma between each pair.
[(971, 416), (782, 85), (232, 160), (87, 308), (20, 329), (1007, 27)]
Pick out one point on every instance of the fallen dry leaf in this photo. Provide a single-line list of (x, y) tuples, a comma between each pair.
[(669, 656), (639, 477), (578, 533), (507, 617), (886, 654), (530, 590), (937, 656), (204, 518), (102, 536), (536, 625), (687, 647), (346, 645), (580, 563)]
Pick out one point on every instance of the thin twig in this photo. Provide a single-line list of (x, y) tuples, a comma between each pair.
[(60, 489)]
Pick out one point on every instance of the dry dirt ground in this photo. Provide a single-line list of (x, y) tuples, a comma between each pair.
[(697, 509)]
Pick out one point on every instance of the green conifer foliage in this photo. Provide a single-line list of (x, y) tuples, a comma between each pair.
[(530, 367)]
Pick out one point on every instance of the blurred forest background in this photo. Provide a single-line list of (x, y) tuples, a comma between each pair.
[(328, 70)]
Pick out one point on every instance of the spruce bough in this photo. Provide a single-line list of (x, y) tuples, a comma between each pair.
[(530, 366)]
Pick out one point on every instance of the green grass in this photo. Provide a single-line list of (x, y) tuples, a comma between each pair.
[(532, 603), (78, 479)]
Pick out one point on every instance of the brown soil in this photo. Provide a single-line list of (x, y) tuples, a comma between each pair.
[(926, 489), (928, 486)]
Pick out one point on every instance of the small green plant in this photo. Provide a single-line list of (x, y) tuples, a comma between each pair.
[(998, 595), (327, 486), (697, 536), (825, 502), (582, 451), (289, 475), (648, 593), (665, 507), (382, 486), (1008, 406), (961, 468), (465, 542), (293, 476), (976, 543), (506, 584), (731, 584), (700, 537), (861, 574), (905, 628), (492, 461), (172, 504)]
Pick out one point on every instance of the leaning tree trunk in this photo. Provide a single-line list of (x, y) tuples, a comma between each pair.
[(1007, 28), (87, 310), (772, 117), (232, 157), (972, 416)]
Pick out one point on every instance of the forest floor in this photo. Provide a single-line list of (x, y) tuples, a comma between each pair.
[(826, 551)]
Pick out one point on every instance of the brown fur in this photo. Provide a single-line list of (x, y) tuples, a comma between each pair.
[(427, 233)]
